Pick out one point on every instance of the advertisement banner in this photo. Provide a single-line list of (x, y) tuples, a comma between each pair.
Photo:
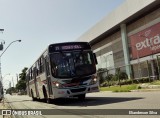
[(145, 42)]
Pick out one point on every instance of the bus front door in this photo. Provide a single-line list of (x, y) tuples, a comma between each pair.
[(48, 76)]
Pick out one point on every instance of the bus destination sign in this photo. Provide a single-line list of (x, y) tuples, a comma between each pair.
[(69, 46)]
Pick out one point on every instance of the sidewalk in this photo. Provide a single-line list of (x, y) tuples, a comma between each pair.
[(145, 90), (4, 106), (146, 87), (1, 105)]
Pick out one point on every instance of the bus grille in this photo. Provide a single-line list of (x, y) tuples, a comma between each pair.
[(77, 90)]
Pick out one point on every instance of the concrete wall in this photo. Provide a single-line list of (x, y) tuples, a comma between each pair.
[(127, 9), (144, 22), (109, 51)]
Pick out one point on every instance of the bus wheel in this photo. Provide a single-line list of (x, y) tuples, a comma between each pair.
[(33, 98), (47, 100), (82, 97)]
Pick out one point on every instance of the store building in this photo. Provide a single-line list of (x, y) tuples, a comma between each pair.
[(129, 38)]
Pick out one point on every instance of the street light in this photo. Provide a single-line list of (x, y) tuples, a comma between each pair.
[(3, 53), (1, 45), (2, 30), (8, 47)]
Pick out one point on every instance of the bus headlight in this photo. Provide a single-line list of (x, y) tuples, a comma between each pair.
[(57, 84), (94, 80)]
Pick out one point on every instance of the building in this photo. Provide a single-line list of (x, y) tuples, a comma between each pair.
[(129, 38)]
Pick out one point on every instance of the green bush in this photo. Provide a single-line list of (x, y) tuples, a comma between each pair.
[(126, 82), (139, 87), (101, 74), (123, 76)]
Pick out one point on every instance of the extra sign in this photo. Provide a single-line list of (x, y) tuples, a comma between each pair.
[(145, 42)]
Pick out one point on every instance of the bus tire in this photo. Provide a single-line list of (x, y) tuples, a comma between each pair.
[(47, 100), (82, 97), (33, 98)]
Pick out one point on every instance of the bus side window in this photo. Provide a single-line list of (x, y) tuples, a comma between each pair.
[(41, 64), (31, 74), (47, 66), (37, 68)]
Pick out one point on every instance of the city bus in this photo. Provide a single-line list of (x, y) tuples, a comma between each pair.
[(63, 70)]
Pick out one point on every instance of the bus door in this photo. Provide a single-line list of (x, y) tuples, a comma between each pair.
[(48, 76)]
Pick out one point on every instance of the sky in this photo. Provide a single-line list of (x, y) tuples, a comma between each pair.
[(39, 23)]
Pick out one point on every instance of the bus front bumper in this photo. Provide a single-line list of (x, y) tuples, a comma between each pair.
[(70, 92)]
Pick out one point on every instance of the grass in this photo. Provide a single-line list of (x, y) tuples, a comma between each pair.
[(124, 88), (156, 82)]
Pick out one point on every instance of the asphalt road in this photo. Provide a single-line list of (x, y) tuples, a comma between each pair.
[(101, 100)]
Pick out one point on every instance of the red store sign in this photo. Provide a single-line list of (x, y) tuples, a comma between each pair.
[(145, 42)]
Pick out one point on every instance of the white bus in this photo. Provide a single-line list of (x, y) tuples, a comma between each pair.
[(63, 70)]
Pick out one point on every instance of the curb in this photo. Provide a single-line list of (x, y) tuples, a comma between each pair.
[(145, 90)]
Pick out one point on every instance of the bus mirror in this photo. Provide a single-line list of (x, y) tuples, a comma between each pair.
[(95, 58)]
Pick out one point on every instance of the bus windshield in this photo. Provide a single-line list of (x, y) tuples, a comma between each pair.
[(72, 64)]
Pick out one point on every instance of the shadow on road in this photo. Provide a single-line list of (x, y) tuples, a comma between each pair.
[(89, 101), (92, 101)]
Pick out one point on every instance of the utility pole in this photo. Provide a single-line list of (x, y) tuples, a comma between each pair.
[(3, 42), (3, 53), (1, 48)]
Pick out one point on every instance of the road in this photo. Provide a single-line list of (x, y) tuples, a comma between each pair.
[(101, 100)]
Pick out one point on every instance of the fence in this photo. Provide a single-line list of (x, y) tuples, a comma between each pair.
[(145, 71)]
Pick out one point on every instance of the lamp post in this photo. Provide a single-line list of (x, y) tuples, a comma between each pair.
[(3, 53), (1, 30), (1, 45)]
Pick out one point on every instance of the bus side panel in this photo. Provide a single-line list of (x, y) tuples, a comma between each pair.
[(41, 81), (32, 88), (48, 77)]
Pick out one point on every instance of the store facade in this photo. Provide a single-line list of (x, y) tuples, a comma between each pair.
[(144, 49), (131, 42)]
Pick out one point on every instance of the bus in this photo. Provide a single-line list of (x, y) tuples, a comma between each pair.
[(63, 70)]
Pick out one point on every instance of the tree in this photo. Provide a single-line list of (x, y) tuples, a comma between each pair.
[(109, 78), (10, 90), (21, 85), (102, 74), (120, 76), (22, 75)]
